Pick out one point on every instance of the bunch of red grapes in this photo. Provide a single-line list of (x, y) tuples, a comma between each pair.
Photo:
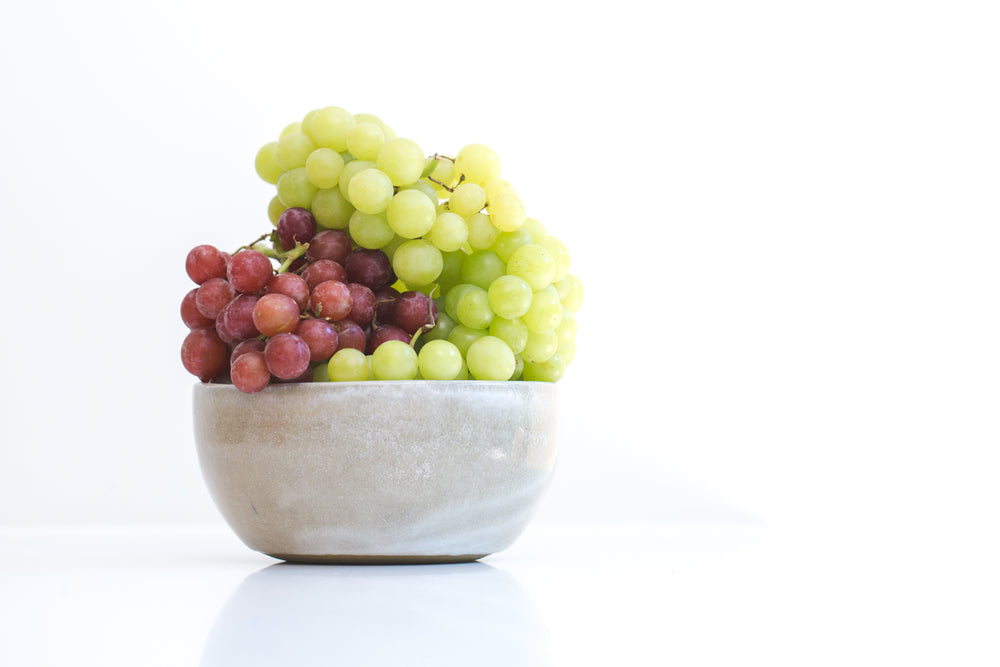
[(252, 322)]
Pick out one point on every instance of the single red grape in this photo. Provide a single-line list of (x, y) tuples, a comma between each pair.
[(249, 345), (237, 318), (213, 295), (331, 300), (290, 284), (386, 333), (191, 316), (362, 304), (371, 268), (275, 313), (287, 356), (333, 244), (414, 310), (295, 225), (204, 354), (204, 262), (320, 337), (249, 372), (249, 271), (350, 334), (323, 270), (385, 297)]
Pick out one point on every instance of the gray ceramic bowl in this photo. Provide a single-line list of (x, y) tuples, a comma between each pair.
[(363, 472)]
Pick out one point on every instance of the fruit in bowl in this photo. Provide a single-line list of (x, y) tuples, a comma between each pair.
[(385, 272)]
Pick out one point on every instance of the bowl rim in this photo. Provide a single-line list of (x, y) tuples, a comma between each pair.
[(327, 386)]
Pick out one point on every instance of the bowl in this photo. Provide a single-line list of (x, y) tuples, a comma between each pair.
[(378, 472)]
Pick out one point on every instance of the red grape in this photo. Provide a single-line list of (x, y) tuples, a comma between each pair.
[(323, 270), (249, 372), (386, 333), (362, 304), (331, 300), (414, 310), (275, 313), (237, 318), (371, 268), (249, 271), (321, 338), (192, 317), (204, 262), (295, 224), (287, 356), (213, 295), (290, 284), (333, 244), (249, 345), (204, 354), (350, 334), (385, 297)]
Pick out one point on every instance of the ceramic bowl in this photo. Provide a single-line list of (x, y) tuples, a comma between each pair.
[(368, 472)]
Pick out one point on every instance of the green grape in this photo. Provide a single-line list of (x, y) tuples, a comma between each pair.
[(321, 373), (462, 337), (533, 263), (306, 125), (330, 126), (550, 370), (449, 232), (467, 199), (439, 360), (539, 346), (388, 132), (451, 272), (489, 358), (473, 309), (567, 351), (394, 360), (559, 253), (566, 331), (364, 140), (367, 118), (497, 187), (274, 210), (294, 188), (513, 332), (443, 327), (266, 163), (507, 212), (545, 313), (507, 242), (411, 214), (293, 150), (370, 191), (350, 170), (481, 268), (444, 172), (574, 293), (537, 232), (370, 230), (323, 167), (417, 262), (390, 248), (331, 209), (478, 163), (426, 188), (402, 160), (348, 365), (482, 233), (510, 296), (290, 128), (452, 297)]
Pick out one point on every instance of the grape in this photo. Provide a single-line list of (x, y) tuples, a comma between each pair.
[(370, 267), (441, 329), (305, 127), (439, 360), (444, 172), (331, 300), (385, 298), (453, 296), (507, 243), (566, 331), (510, 296), (394, 360), (467, 199), (227, 336), (567, 350), (320, 337), (249, 345), (350, 170), (449, 232), (574, 293), (287, 356), (410, 214), (204, 262), (321, 373), (402, 160), (370, 191), (294, 188), (291, 127), (390, 248), (417, 262), (249, 271), (497, 187), (462, 337), (507, 212), (426, 188), (371, 231), (330, 127), (490, 358), (478, 163), (266, 163), (332, 244), (290, 284), (190, 315), (539, 347), (538, 234), (348, 365), (545, 312), (323, 167), (296, 224), (275, 313), (451, 270), (550, 370), (204, 354), (212, 297), (274, 210), (414, 310), (560, 254), (482, 233), (293, 150), (350, 335), (534, 264), (331, 208), (322, 270), (237, 318), (386, 333), (473, 309), (250, 373), (481, 268), (363, 304), (513, 332), (364, 140)]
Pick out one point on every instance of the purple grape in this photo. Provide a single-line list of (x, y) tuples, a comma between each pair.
[(371, 268), (350, 334), (414, 310), (332, 244), (362, 304), (295, 225), (386, 333), (323, 270), (237, 318), (320, 337)]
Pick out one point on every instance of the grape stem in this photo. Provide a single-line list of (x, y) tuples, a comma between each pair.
[(252, 244), (434, 180), (291, 256)]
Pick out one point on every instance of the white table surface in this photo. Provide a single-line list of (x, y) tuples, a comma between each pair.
[(643, 594)]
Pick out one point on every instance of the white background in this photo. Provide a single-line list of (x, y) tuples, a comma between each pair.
[(785, 216)]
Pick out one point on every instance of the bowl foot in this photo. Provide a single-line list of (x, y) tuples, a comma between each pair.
[(359, 559)]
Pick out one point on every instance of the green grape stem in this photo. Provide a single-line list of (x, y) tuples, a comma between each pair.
[(291, 256), (253, 246), (434, 180)]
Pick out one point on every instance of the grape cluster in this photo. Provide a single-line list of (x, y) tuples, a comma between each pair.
[(383, 264)]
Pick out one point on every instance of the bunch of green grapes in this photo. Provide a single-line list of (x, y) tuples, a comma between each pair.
[(453, 229)]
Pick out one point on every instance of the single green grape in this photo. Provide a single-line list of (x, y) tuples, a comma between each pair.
[(370, 230), (451, 271), (574, 293), (513, 332), (331, 209), (489, 358), (394, 360), (323, 167), (321, 373), (305, 127), (467, 199), (293, 150), (441, 330), (537, 232), (452, 297), (402, 160), (478, 163), (417, 262), (411, 214), (367, 118), (370, 191), (350, 170), (330, 126), (539, 346), (462, 337), (426, 188), (449, 232), (534, 264), (507, 243), (348, 365), (444, 172), (550, 370), (439, 360), (294, 188), (364, 140), (274, 210), (473, 309), (481, 268), (560, 253), (482, 232), (545, 312), (567, 351), (266, 163), (510, 296), (507, 212), (290, 128), (497, 187), (390, 248), (566, 331)]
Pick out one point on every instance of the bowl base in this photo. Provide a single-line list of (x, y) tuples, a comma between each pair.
[(360, 559)]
